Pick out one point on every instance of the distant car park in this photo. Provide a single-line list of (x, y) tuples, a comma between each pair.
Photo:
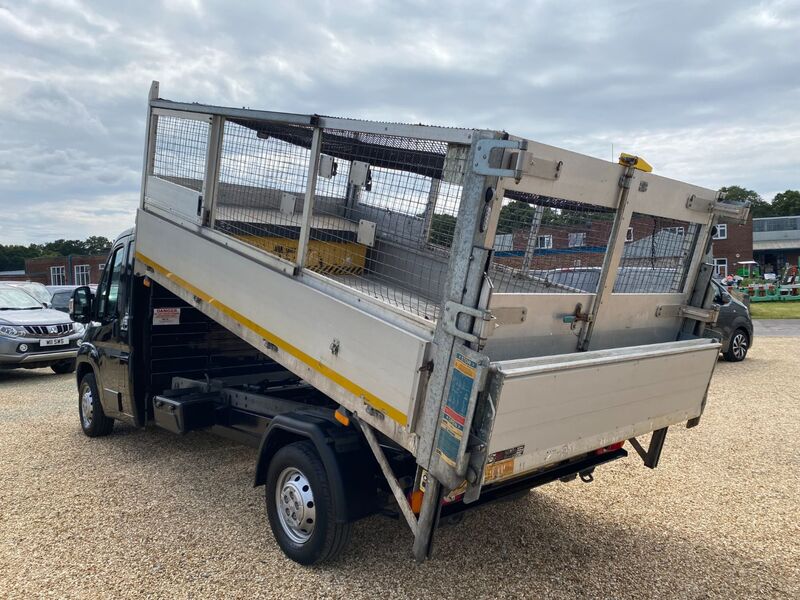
[(62, 294), (33, 336)]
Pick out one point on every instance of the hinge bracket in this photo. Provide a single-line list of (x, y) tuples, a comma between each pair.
[(738, 211), (705, 315), (483, 157), (484, 320)]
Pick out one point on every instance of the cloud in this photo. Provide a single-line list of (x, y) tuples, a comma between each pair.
[(707, 91)]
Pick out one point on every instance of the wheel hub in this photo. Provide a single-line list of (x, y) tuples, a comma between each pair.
[(87, 406), (294, 500), (739, 345)]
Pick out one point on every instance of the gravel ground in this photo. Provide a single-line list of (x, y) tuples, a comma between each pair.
[(150, 514)]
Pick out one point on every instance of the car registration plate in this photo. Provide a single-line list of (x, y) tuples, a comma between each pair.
[(54, 342)]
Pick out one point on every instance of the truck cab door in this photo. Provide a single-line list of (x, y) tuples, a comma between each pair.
[(110, 335)]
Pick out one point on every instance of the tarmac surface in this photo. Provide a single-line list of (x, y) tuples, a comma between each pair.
[(776, 327)]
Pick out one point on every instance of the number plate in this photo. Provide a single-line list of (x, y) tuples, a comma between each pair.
[(54, 342)]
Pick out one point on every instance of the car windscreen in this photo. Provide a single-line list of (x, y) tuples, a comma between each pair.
[(12, 298), (61, 299), (37, 290)]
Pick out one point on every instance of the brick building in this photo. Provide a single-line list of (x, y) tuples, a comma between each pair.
[(650, 241), (733, 244), (65, 270)]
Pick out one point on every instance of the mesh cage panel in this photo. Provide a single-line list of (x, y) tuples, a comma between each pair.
[(377, 226), (262, 182), (547, 245), (180, 151), (657, 255)]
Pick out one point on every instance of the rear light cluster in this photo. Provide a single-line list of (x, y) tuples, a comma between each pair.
[(610, 448)]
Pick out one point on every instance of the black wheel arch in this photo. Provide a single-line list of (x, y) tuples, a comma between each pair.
[(86, 362), (348, 461)]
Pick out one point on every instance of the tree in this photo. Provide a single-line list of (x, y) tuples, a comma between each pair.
[(13, 257), (786, 204), (515, 215), (443, 227), (758, 206), (97, 244)]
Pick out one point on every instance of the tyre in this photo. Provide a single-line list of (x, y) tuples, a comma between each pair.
[(737, 349), (63, 367), (300, 506), (94, 421)]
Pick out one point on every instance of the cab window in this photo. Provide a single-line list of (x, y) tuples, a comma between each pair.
[(108, 293)]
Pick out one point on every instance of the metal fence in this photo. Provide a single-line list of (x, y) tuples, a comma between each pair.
[(384, 207), (385, 210), (657, 255), (547, 245), (180, 149)]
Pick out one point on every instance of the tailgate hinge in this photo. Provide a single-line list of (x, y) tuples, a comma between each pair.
[(705, 315), (486, 321), (737, 211), (515, 161)]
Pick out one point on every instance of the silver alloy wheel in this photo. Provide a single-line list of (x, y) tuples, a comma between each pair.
[(294, 501), (739, 345), (87, 407)]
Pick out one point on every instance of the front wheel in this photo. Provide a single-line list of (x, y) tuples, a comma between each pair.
[(300, 506), (63, 367), (737, 349), (94, 421)]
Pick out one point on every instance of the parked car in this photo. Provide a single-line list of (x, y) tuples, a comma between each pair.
[(734, 325), (62, 294), (35, 289), (32, 336)]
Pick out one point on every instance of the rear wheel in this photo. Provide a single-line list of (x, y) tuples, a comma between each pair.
[(740, 343), (300, 506), (94, 421), (65, 366)]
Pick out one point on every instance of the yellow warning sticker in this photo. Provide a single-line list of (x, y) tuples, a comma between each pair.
[(498, 470), (466, 369)]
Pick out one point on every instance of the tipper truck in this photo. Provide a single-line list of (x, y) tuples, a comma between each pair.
[(400, 318)]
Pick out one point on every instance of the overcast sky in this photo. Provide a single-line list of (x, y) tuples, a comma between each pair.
[(708, 92)]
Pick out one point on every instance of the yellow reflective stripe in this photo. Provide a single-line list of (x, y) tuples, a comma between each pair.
[(311, 362)]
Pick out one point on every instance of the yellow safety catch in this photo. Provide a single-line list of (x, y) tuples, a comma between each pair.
[(637, 162)]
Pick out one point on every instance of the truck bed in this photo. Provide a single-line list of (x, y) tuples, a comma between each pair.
[(475, 297)]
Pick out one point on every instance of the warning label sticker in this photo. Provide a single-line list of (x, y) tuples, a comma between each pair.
[(166, 316), (502, 464), (451, 426)]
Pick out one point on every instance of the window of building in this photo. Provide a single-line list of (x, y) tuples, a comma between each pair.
[(82, 276), (722, 232), (544, 241), (58, 275), (577, 239), (721, 267), (629, 235), (677, 230)]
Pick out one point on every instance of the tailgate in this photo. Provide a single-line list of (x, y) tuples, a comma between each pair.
[(557, 407)]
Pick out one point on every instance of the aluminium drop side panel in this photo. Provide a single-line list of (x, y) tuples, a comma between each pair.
[(557, 407), (252, 300)]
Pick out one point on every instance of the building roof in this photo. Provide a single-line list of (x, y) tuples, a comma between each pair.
[(661, 245), (776, 244)]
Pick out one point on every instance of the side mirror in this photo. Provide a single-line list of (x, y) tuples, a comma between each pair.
[(81, 305), (726, 297)]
